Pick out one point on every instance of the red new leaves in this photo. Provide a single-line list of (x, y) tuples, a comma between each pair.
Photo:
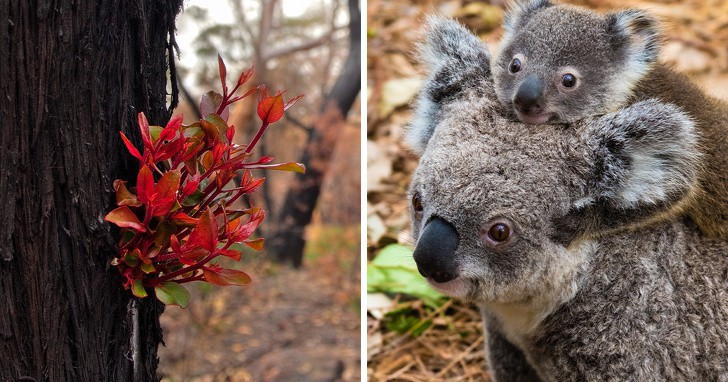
[(175, 224), (124, 218), (204, 234), (270, 110)]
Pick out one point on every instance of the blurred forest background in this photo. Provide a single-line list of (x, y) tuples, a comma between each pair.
[(413, 334), (290, 323)]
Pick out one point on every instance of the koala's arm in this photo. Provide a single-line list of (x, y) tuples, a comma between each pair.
[(506, 362), (645, 169)]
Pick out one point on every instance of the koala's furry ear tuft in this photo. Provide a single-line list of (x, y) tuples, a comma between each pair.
[(446, 41), (636, 35), (519, 12), (457, 61), (646, 161), (647, 154)]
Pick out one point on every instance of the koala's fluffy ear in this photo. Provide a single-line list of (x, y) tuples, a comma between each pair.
[(636, 36), (646, 160), (519, 12), (456, 61)]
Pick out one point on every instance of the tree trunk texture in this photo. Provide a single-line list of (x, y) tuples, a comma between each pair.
[(288, 242), (74, 73)]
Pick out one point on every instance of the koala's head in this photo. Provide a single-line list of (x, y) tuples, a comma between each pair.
[(501, 211), (559, 63)]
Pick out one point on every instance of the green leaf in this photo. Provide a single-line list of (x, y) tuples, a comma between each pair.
[(406, 320), (126, 237), (148, 268), (132, 258), (155, 131), (222, 126), (193, 131), (193, 199), (172, 293), (393, 270), (137, 288)]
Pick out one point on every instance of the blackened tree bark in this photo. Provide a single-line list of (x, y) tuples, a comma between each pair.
[(287, 243), (74, 73)]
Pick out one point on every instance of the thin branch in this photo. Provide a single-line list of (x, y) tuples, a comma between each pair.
[(298, 123), (238, 8), (304, 46), (174, 77)]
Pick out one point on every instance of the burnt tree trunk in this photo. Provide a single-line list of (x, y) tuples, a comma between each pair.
[(74, 73), (287, 243)]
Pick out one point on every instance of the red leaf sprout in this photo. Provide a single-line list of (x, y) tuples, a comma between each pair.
[(173, 228)]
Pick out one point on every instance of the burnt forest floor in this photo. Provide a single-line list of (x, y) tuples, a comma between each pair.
[(287, 325)]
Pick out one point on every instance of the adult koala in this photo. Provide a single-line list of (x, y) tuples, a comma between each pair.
[(570, 239)]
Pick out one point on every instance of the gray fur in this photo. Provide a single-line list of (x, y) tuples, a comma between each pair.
[(596, 283), (519, 13), (614, 58), (609, 54)]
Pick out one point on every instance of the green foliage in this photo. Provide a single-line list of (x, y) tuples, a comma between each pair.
[(171, 293), (393, 270), (406, 320)]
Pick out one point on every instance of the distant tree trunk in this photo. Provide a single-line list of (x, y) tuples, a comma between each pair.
[(74, 73), (288, 242)]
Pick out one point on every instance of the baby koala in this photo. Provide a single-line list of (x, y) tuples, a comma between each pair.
[(560, 63)]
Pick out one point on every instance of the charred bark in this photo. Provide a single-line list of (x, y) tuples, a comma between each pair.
[(74, 73), (288, 242)]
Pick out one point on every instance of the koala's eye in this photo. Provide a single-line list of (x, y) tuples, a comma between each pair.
[(514, 66), (568, 80), (417, 202), (499, 232)]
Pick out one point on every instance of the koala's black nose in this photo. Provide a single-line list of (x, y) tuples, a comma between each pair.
[(435, 249), (528, 96)]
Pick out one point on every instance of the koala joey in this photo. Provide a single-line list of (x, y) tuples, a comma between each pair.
[(559, 63), (552, 233)]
